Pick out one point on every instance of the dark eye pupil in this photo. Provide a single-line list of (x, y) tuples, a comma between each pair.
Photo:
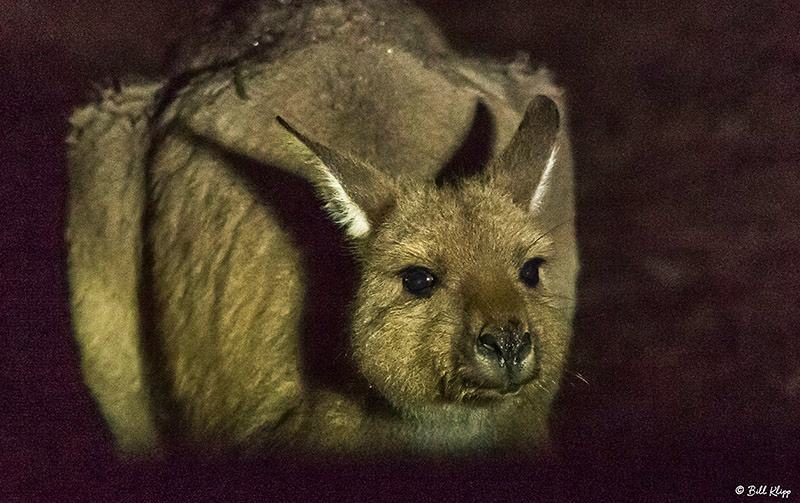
[(418, 281), (529, 274)]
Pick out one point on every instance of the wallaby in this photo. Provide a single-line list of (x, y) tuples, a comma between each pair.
[(189, 289)]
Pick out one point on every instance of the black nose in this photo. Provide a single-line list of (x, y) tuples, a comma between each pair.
[(507, 343)]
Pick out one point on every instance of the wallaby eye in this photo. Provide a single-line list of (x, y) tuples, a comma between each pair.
[(418, 281), (529, 274)]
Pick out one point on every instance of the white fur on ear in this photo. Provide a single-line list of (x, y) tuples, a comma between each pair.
[(543, 189), (340, 207)]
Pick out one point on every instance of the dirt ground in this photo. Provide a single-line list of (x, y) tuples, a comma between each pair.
[(685, 120)]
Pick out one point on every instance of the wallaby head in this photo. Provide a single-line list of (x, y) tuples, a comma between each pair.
[(466, 292)]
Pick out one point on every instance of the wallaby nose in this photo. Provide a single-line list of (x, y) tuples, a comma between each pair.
[(507, 343)]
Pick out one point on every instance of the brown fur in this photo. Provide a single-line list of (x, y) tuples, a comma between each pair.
[(221, 282)]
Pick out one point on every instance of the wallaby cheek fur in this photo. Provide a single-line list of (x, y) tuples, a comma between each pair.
[(188, 291)]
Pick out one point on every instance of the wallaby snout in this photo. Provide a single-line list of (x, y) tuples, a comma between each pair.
[(505, 351), (506, 342)]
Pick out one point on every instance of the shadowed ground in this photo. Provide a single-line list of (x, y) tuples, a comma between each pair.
[(684, 120)]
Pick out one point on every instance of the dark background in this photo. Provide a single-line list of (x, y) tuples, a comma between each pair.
[(684, 118)]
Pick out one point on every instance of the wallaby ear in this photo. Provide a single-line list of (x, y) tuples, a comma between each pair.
[(529, 165), (356, 195)]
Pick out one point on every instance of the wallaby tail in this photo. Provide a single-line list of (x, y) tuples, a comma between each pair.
[(106, 153)]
